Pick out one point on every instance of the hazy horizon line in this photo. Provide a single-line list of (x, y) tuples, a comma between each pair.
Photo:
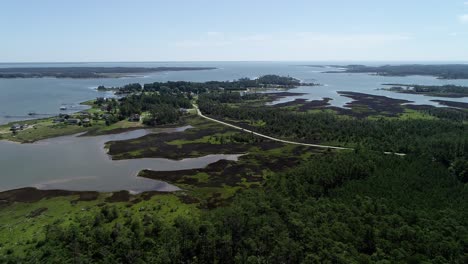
[(201, 61)]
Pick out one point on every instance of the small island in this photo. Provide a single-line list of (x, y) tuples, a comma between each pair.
[(441, 71), (452, 91), (87, 72), (243, 84)]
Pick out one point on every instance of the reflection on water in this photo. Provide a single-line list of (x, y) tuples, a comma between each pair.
[(81, 163)]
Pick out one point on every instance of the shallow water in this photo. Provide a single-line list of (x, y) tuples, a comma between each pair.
[(81, 163), (46, 95), (370, 84)]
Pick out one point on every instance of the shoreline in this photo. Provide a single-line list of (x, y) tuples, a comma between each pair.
[(88, 72)]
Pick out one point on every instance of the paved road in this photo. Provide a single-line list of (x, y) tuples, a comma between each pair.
[(277, 139)]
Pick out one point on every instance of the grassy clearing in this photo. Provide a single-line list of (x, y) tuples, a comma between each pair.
[(41, 129), (45, 128)]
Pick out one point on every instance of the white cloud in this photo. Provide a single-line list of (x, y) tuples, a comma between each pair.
[(463, 19)]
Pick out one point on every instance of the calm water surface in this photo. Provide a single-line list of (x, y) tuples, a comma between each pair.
[(81, 163), (45, 95)]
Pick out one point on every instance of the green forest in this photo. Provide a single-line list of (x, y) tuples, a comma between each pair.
[(264, 81), (443, 139), (359, 207)]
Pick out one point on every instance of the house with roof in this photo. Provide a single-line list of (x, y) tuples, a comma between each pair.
[(15, 127), (73, 121)]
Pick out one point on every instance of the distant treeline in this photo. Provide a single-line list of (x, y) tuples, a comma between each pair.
[(202, 87), (86, 72), (432, 90), (442, 71)]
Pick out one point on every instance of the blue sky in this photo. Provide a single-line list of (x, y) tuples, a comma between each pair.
[(208, 30)]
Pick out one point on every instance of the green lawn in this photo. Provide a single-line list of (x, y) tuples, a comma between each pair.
[(45, 128)]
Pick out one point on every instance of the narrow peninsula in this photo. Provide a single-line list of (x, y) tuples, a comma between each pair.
[(87, 72)]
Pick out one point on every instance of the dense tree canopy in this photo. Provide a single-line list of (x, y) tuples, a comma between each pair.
[(338, 208), (442, 139)]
